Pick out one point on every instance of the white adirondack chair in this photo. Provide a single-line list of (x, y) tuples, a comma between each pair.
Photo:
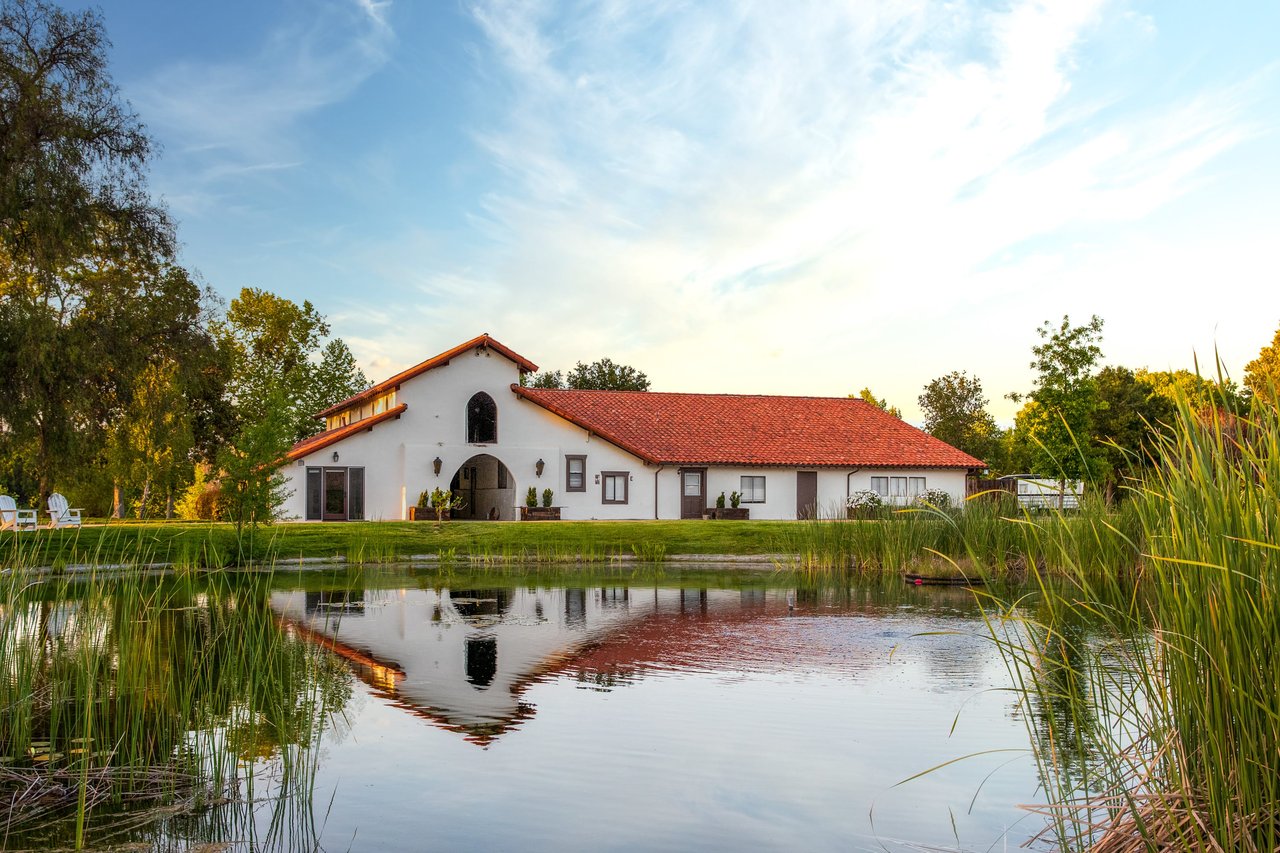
[(60, 515), (12, 518)]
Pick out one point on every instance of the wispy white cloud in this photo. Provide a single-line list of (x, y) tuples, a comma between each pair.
[(814, 192), (226, 119)]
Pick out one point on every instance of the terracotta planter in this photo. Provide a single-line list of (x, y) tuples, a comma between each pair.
[(729, 513), (539, 513)]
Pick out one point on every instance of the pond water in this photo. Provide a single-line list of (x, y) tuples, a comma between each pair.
[(621, 712)]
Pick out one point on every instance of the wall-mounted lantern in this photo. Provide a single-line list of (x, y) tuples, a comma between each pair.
[(597, 478), (538, 466), (335, 456), (436, 465)]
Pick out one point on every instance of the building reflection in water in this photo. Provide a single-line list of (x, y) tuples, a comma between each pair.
[(464, 658)]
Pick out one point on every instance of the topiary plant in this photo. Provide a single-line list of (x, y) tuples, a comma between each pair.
[(531, 498), (734, 499), (720, 501), (547, 495)]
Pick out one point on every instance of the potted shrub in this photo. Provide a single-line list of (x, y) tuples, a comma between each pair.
[(422, 511), (863, 504), (733, 512), (532, 512)]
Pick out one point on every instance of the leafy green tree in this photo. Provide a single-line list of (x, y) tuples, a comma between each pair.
[(251, 487), (335, 378), (73, 154), (883, 405), (1198, 391), (151, 445), (602, 375), (1066, 395), (1262, 375), (955, 411), (1129, 414), (605, 375), (77, 341), (552, 379)]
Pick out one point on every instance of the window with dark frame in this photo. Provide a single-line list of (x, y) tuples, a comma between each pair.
[(575, 473), (880, 485), (613, 486), (917, 486), (482, 419), (898, 487), (752, 489)]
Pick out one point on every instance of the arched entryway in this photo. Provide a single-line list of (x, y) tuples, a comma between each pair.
[(487, 488)]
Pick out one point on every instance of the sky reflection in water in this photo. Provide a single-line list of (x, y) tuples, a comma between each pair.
[(547, 718)]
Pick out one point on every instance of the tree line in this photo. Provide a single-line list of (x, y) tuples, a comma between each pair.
[(123, 380), (1080, 421)]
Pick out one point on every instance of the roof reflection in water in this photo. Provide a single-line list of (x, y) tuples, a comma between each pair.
[(463, 658)]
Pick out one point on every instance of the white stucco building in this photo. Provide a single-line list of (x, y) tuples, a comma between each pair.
[(462, 421)]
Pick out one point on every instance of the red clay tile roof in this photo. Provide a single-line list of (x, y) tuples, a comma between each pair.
[(435, 361), (328, 437), (740, 429)]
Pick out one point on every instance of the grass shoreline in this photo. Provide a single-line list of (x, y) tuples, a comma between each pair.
[(213, 545), (980, 541)]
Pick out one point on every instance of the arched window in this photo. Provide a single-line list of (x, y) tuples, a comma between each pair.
[(482, 419)]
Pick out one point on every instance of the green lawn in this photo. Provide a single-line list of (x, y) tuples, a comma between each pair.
[(215, 544)]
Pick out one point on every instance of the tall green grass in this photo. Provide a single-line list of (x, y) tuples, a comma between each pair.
[(1164, 730), (127, 703), (987, 538)]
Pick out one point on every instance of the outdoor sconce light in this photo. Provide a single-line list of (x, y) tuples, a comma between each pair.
[(597, 478), (538, 466), (435, 465), (335, 456)]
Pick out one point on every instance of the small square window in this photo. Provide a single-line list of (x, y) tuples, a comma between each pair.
[(575, 473), (898, 487), (880, 485), (613, 486), (752, 490), (917, 486)]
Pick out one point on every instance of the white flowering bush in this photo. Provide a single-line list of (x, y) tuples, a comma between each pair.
[(936, 498), (864, 499)]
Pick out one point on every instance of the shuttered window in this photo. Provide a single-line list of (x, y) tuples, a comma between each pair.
[(355, 494), (315, 501)]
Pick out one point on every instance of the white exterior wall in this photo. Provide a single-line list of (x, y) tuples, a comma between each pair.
[(398, 456)]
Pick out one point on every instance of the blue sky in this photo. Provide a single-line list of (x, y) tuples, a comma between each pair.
[(774, 197)]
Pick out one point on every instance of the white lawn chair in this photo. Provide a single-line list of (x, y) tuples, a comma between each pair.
[(60, 515), (12, 518)]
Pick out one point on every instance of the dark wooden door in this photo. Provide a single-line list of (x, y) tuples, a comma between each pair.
[(335, 494), (693, 492), (806, 494)]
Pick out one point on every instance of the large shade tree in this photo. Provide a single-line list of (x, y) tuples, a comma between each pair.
[(602, 375), (955, 411)]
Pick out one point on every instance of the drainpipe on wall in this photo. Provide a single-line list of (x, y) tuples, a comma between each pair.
[(655, 492), (847, 489)]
